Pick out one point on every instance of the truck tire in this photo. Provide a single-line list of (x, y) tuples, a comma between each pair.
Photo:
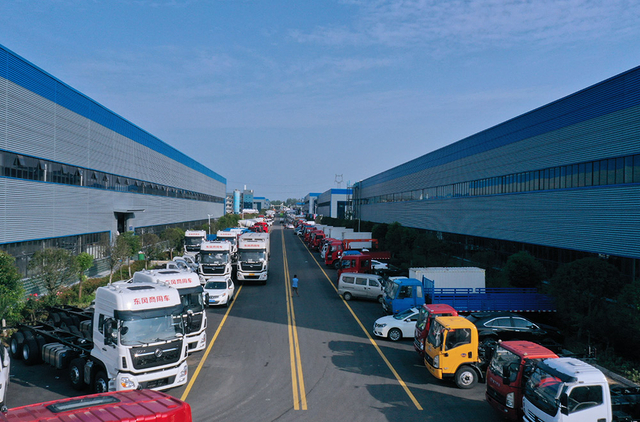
[(336, 265), (76, 374), (466, 377), (55, 317), (100, 382), (15, 345), (31, 351)]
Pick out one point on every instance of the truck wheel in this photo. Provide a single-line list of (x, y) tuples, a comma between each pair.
[(347, 296), (394, 334), (380, 299), (55, 317), (76, 374), (466, 377), (101, 383), (30, 351), (336, 265), (15, 345)]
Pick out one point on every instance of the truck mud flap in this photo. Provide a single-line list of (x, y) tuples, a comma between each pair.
[(58, 355)]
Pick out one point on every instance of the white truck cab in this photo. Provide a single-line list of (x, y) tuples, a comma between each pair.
[(215, 259), (190, 290), (253, 257), (192, 241), (138, 339), (567, 390)]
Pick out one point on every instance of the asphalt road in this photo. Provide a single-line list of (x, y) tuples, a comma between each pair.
[(276, 357)]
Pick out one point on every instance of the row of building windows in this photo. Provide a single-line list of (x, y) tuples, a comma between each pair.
[(31, 168), (611, 171)]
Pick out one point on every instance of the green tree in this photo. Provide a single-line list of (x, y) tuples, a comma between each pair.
[(54, 267), (122, 251), (84, 261), (11, 290), (175, 239), (134, 244), (581, 288), (523, 270)]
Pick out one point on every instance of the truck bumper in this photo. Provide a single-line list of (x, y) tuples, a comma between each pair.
[(158, 380), (252, 276), (197, 342)]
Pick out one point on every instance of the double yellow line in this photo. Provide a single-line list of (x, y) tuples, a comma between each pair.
[(297, 380)]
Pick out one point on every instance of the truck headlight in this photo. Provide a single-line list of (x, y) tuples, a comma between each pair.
[(436, 362), (127, 383), (183, 373), (510, 400)]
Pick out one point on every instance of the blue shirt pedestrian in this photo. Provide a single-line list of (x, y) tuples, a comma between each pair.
[(294, 285)]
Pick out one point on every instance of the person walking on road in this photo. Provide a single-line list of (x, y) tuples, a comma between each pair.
[(294, 285)]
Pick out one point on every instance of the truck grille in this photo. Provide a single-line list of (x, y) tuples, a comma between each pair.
[(148, 357), (496, 396), (158, 383), (257, 266), (213, 269), (428, 359)]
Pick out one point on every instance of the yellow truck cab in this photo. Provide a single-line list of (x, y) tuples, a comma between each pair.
[(451, 351)]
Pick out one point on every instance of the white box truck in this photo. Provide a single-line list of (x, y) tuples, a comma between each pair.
[(451, 277)]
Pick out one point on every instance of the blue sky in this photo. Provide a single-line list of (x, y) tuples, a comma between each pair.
[(282, 96)]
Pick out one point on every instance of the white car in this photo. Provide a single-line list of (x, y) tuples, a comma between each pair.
[(218, 292), (377, 265), (395, 327)]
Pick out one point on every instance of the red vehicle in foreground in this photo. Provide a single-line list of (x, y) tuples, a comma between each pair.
[(429, 312), (129, 406), (511, 365), (359, 262)]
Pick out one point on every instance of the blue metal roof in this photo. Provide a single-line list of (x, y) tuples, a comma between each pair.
[(21, 72), (614, 94)]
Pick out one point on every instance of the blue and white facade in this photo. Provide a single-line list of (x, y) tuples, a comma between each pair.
[(560, 179), (73, 171), (310, 204), (334, 203)]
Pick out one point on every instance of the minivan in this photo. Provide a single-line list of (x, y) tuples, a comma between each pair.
[(366, 286)]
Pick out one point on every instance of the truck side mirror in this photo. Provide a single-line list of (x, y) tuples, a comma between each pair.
[(564, 403)]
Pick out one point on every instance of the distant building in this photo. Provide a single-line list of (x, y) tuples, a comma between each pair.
[(561, 182), (73, 173), (334, 203), (310, 204)]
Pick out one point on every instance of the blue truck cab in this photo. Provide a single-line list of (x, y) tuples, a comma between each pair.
[(402, 293)]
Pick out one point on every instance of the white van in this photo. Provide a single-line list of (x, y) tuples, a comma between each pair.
[(366, 286)]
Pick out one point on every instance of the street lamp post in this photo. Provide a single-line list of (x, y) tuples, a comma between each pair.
[(209, 215)]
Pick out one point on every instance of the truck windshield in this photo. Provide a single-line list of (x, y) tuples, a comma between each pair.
[(248, 255), (505, 358), (218, 258), (436, 332), (192, 241), (391, 289), (192, 302), (423, 316), (543, 390), (150, 330)]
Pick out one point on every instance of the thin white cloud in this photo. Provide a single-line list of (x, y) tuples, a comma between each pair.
[(479, 23)]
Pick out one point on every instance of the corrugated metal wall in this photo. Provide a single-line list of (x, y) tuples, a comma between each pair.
[(42, 117), (600, 122)]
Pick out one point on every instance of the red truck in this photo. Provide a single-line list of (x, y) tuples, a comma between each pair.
[(428, 312), (510, 367), (359, 262), (337, 247), (316, 240), (129, 406)]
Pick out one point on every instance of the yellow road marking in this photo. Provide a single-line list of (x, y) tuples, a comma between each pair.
[(297, 379), (373, 342), (206, 353)]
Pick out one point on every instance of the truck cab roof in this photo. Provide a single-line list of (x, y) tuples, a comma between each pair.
[(572, 370)]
